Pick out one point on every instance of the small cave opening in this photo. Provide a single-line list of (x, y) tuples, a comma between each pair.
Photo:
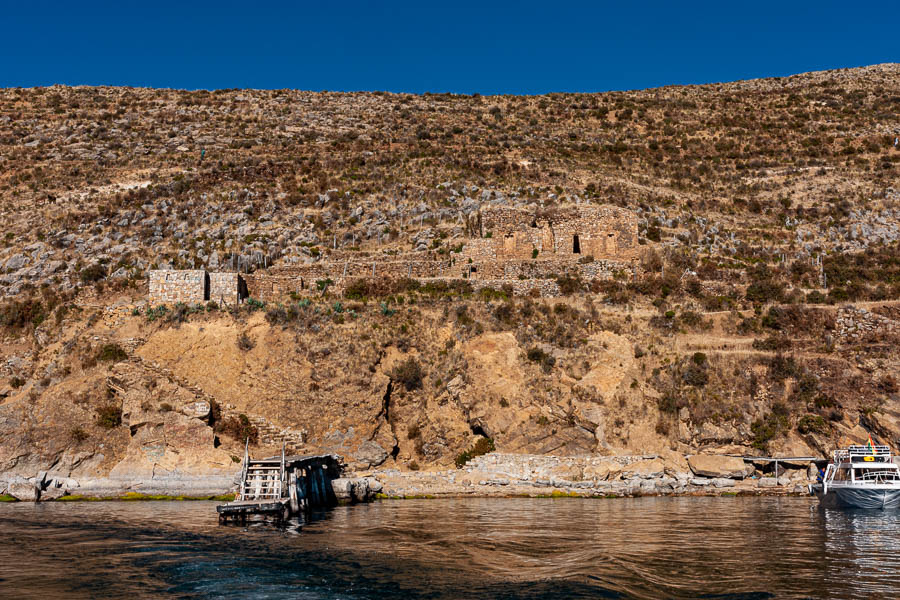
[(386, 402), (478, 430), (395, 451), (576, 244)]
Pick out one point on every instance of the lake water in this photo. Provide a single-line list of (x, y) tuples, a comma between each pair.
[(472, 548)]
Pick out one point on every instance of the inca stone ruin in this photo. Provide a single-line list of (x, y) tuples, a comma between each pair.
[(521, 249)]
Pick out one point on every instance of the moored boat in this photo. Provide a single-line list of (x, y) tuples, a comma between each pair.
[(860, 477)]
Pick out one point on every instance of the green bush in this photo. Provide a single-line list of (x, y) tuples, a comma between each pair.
[(766, 429), (239, 428), (482, 446), (109, 416), (111, 353), (812, 424), (409, 373), (764, 291)]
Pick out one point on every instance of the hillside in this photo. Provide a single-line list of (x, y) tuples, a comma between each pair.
[(761, 315)]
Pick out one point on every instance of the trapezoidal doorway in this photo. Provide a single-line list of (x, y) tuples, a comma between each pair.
[(576, 245)]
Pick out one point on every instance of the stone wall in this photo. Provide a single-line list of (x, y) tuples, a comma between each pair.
[(224, 288), (854, 324), (541, 269), (171, 287)]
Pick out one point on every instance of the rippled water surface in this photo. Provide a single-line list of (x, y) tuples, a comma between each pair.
[(514, 548)]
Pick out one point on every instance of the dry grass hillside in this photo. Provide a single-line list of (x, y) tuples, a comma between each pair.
[(764, 316)]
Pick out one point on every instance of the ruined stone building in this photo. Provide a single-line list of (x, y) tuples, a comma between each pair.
[(517, 247), (196, 286), (513, 236)]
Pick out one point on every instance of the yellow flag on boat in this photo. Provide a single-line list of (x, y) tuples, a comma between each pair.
[(871, 445)]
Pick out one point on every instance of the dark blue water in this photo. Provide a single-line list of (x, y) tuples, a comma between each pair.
[(516, 548)]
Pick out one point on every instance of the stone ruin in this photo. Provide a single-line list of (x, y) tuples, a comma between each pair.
[(196, 286), (515, 247)]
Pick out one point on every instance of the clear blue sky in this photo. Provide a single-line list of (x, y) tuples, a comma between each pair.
[(461, 46)]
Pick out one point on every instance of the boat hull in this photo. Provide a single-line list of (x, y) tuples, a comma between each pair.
[(880, 498)]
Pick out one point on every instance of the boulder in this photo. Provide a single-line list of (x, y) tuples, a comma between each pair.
[(53, 493), (370, 454), (714, 465), (197, 410), (597, 472), (352, 489), (644, 469), (25, 491)]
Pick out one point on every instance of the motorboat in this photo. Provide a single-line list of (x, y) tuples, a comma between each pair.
[(860, 477)]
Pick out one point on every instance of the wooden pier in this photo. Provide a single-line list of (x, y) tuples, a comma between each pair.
[(282, 486)]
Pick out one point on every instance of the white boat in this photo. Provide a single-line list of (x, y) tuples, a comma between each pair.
[(860, 477)]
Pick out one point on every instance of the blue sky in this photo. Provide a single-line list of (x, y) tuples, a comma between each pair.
[(462, 46)]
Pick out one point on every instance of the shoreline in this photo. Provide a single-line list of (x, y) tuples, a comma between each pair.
[(488, 476)]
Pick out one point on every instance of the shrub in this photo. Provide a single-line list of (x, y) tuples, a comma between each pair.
[(812, 424), (409, 373), (691, 318), (670, 403), (253, 305), (767, 429), (537, 355), (772, 344), (782, 367), (482, 446), (569, 285), (109, 416), (111, 353), (412, 432), (16, 314), (245, 343), (765, 290), (240, 428), (93, 273), (16, 382), (156, 313), (78, 434)]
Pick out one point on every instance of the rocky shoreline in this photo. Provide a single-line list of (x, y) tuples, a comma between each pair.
[(490, 475), (504, 475)]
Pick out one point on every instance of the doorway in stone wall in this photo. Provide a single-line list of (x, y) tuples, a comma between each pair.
[(576, 244)]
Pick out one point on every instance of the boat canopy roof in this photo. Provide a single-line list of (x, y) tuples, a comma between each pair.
[(863, 454)]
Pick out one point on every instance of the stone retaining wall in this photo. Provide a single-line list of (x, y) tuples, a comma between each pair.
[(853, 324)]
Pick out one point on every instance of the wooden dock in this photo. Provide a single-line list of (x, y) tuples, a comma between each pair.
[(282, 486)]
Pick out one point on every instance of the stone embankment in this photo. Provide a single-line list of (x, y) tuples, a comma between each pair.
[(643, 475), (852, 324)]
